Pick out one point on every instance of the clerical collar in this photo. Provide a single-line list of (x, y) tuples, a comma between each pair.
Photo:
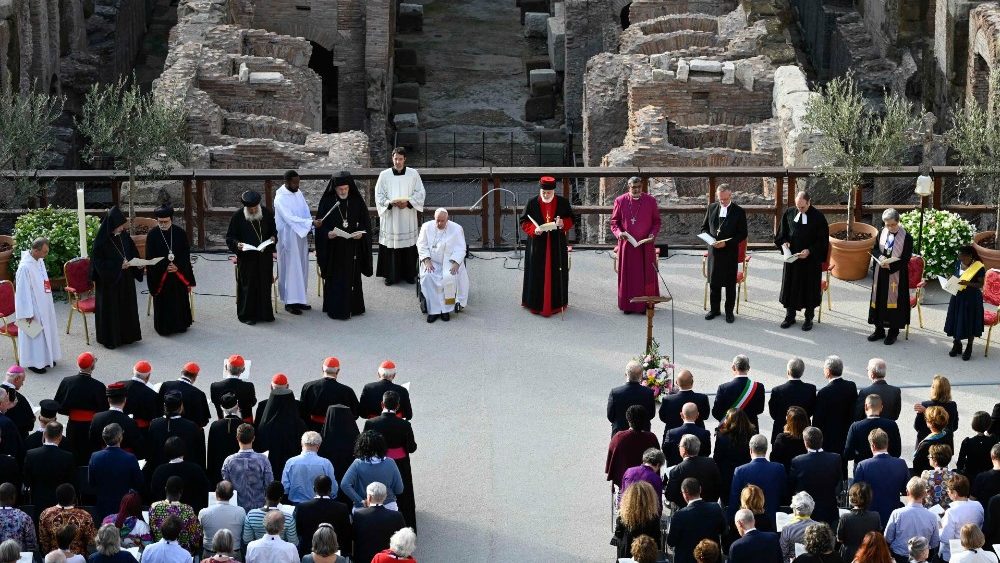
[(385, 411), (801, 217), (874, 416), (185, 379), (322, 496), (398, 172), (140, 380), (177, 460), (723, 211), (114, 408), (814, 451), (835, 378)]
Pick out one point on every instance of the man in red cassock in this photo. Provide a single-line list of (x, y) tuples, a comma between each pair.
[(546, 220), (635, 222)]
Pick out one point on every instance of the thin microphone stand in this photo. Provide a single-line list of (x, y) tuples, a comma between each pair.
[(517, 237)]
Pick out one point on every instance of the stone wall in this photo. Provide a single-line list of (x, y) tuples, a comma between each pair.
[(983, 54), (951, 52)]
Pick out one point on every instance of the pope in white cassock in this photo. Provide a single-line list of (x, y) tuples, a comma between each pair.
[(293, 221), (444, 281), (399, 195), (33, 303)]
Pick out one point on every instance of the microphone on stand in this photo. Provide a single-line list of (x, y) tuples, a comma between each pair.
[(517, 238)]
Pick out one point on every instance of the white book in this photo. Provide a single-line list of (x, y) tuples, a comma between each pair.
[(543, 228), (788, 256), (710, 240), (134, 551), (800, 549), (956, 547), (32, 329), (880, 260), (26, 557), (633, 242), (259, 248), (406, 386), (141, 263), (937, 509), (950, 285), (344, 234), (287, 509), (782, 519)]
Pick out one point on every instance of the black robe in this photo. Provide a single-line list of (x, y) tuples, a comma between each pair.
[(546, 259), (80, 397), (171, 308), (339, 434), (723, 263), (342, 261), (221, 444), (800, 282), (399, 439), (281, 429), (116, 314), (254, 270), (898, 315), (21, 414)]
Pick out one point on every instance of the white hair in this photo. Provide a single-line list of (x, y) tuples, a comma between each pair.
[(376, 491), (877, 367), (439, 211), (633, 370), (803, 504), (758, 444), (311, 438), (403, 543), (745, 516), (691, 444), (890, 215)]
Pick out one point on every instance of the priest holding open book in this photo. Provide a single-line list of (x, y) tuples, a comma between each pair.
[(803, 237), (635, 222), (890, 302), (546, 220), (724, 229), (116, 312), (251, 237), (343, 247), (170, 280)]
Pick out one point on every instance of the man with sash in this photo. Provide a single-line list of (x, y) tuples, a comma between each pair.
[(444, 281), (740, 393), (170, 280), (320, 394), (965, 309), (890, 302), (142, 403), (80, 397)]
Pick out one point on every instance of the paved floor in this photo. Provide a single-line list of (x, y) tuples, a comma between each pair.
[(509, 406)]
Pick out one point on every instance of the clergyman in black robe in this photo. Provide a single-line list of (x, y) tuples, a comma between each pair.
[(170, 280), (222, 437), (724, 220), (251, 226), (890, 302), (546, 271), (281, 429), (116, 313), (342, 261), (805, 233)]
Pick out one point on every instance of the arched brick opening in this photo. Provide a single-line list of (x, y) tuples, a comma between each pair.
[(322, 63), (981, 81), (623, 15)]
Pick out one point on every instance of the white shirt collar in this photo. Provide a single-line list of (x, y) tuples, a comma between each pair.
[(114, 408), (801, 217), (814, 451), (723, 210), (177, 459), (139, 379)]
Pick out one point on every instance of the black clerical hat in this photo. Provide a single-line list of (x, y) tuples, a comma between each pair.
[(250, 198), (228, 401), (163, 212), (116, 391), (173, 401), (47, 408)]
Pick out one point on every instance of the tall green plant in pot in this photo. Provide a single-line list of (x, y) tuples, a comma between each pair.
[(26, 142), (853, 135), (142, 133)]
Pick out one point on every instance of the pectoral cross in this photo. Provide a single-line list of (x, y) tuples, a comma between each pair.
[(633, 220)]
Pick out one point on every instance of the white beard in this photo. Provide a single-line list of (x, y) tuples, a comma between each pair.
[(253, 216), (549, 199)]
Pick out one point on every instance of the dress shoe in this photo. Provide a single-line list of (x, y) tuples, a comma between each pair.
[(967, 355), (250, 322), (305, 307), (445, 317), (879, 334), (730, 318), (38, 370), (388, 282), (711, 315), (432, 318), (292, 309), (956, 349), (787, 322), (807, 325), (890, 338)]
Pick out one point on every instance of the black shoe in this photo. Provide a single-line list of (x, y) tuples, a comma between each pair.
[(879, 334), (956, 349), (787, 322), (38, 370), (432, 318), (730, 318), (445, 317), (711, 315), (967, 355), (388, 282), (304, 307), (250, 322), (890, 339), (292, 309), (807, 325)]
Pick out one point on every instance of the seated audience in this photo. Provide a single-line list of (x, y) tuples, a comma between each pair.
[(940, 397), (223, 547), (695, 466), (670, 405), (375, 524), (15, 524), (819, 544), (794, 532), (249, 471), (887, 475), (789, 443), (626, 447), (792, 393), (698, 520), (132, 529), (325, 547), (974, 455), (637, 515), (938, 476), (113, 472), (707, 551), (372, 465), (754, 546), (109, 547), (196, 485), (302, 470), (960, 513), (767, 475), (874, 549), (649, 471), (937, 423), (818, 473), (190, 534), (10, 551), (987, 484), (973, 542), (222, 515), (732, 448), (271, 548), (624, 397), (854, 525), (254, 526), (912, 520), (402, 544), (167, 549), (62, 514)]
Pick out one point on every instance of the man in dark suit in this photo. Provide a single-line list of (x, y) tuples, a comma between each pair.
[(47, 412), (741, 393), (768, 475), (374, 524), (113, 472), (310, 514), (133, 441), (890, 394), (694, 466), (792, 393), (672, 437), (670, 405), (320, 394), (887, 475), (245, 393), (80, 397), (835, 407), (857, 447), (194, 399), (141, 401), (624, 396), (173, 424), (987, 484), (724, 220), (196, 484), (48, 466), (817, 473), (753, 546), (698, 520), (372, 393)]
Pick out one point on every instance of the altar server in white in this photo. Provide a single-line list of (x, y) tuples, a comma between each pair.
[(399, 195), (293, 220), (33, 306), (444, 281)]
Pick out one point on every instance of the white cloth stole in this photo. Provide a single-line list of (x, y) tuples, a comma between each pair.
[(801, 217)]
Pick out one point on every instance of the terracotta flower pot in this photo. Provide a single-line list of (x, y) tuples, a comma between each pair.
[(5, 256), (850, 258), (989, 256), (140, 240)]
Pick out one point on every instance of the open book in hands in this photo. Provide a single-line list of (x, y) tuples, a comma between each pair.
[(543, 228), (141, 263), (882, 260), (344, 234), (710, 240), (788, 256), (247, 247), (950, 285), (631, 239)]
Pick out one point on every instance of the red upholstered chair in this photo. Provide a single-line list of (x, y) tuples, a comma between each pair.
[(7, 326), (991, 295), (824, 284), (80, 290), (917, 284), (741, 274)]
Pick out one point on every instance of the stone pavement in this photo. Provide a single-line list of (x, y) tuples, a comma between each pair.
[(510, 407)]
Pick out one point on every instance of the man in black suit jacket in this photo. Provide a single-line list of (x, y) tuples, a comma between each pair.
[(857, 447), (48, 466), (47, 412), (724, 220), (194, 399), (742, 393), (374, 524), (697, 521), (372, 393), (113, 472), (133, 441), (310, 514), (792, 393), (670, 405), (835, 407), (672, 437), (694, 466), (754, 546), (196, 483), (245, 393), (141, 401), (624, 396), (173, 424), (891, 395), (320, 394), (987, 484), (818, 473)]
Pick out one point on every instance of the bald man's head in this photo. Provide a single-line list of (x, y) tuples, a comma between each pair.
[(689, 412), (685, 380)]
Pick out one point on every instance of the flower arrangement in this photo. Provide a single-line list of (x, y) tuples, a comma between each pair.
[(657, 371), (61, 228), (943, 233)]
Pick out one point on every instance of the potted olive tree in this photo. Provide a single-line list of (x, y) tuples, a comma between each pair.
[(854, 135)]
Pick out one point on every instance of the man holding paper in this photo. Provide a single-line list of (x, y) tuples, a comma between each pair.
[(803, 237), (343, 247), (399, 195), (294, 223), (724, 228), (116, 314), (37, 339), (546, 220), (170, 280), (890, 302), (635, 222), (251, 236), (444, 281)]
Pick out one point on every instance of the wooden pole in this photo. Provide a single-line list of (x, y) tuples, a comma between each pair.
[(650, 311)]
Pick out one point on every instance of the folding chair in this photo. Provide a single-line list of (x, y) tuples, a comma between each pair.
[(917, 284), (78, 284)]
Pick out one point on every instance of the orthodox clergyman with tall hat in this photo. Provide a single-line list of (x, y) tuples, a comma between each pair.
[(170, 280), (251, 236), (343, 247), (116, 313), (546, 220)]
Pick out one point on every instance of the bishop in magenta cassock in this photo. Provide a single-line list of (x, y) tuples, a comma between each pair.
[(546, 271), (637, 215)]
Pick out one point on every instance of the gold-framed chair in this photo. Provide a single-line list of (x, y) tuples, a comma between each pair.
[(991, 296), (917, 284), (741, 275), (80, 291), (825, 283), (7, 320)]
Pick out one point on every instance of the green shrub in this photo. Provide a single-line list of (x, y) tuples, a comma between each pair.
[(62, 229), (944, 232)]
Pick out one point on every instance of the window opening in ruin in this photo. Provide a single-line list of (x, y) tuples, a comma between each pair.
[(321, 62), (981, 81), (624, 15)]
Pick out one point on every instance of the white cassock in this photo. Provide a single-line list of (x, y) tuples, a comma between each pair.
[(33, 298), (293, 220), (398, 228), (443, 246)]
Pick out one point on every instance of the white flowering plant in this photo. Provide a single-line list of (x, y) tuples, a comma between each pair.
[(657, 371), (943, 233)]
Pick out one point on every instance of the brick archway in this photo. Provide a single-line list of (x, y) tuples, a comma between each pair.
[(621, 10)]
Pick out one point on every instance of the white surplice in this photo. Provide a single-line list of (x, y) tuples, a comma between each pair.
[(293, 220), (398, 227), (443, 246), (33, 298)]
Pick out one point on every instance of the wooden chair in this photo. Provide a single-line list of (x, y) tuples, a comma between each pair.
[(917, 284), (991, 295), (7, 326), (80, 290), (741, 275), (824, 284)]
